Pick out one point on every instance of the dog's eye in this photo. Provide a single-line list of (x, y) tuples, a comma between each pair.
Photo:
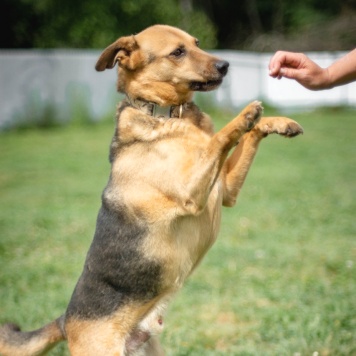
[(197, 43), (179, 52)]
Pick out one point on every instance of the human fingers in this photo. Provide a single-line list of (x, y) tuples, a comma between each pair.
[(274, 65), (282, 60)]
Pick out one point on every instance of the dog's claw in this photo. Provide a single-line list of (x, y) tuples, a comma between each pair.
[(293, 129), (253, 113)]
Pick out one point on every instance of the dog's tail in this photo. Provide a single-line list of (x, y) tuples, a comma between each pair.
[(14, 342)]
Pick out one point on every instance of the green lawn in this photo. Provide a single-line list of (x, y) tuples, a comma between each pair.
[(281, 279)]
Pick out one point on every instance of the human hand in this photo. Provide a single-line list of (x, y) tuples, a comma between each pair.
[(299, 67)]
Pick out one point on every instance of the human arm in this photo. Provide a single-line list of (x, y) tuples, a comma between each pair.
[(309, 74)]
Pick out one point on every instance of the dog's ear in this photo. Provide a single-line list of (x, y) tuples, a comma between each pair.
[(121, 51)]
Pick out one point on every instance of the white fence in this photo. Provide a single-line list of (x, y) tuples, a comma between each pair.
[(33, 80)]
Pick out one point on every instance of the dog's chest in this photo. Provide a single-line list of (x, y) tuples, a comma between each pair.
[(153, 180)]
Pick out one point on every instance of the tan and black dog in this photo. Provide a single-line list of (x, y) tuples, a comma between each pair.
[(161, 208)]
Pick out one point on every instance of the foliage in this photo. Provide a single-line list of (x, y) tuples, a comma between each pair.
[(262, 25), (280, 280), (251, 24), (92, 23)]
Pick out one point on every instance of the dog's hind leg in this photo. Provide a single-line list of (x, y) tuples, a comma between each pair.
[(239, 162), (95, 337)]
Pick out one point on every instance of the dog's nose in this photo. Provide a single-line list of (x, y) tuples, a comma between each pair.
[(222, 66)]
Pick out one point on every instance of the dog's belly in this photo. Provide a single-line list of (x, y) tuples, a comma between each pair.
[(181, 244)]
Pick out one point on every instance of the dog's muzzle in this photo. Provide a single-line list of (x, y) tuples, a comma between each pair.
[(215, 80)]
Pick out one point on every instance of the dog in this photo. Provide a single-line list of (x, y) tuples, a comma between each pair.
[(160, 212)]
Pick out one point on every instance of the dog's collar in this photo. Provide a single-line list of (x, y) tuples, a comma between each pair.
[(153, 109)]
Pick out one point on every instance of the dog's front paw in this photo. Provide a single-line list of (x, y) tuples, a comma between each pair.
[(252, 114), (279, 125)]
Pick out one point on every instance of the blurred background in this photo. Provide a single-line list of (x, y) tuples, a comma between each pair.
[(280, 280), (252, 25), (49, 49)]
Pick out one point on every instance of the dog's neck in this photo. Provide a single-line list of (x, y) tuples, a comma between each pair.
[(153, 109)]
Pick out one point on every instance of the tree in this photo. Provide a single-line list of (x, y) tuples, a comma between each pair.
[(92, 23), (269, 25), (250, 24)]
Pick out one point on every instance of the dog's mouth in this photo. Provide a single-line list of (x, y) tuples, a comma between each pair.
[(221, 67), (205, 86)]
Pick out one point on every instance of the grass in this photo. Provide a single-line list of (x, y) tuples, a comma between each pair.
[(279, 281)]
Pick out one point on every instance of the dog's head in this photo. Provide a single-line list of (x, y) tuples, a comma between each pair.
[(162, 64)]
